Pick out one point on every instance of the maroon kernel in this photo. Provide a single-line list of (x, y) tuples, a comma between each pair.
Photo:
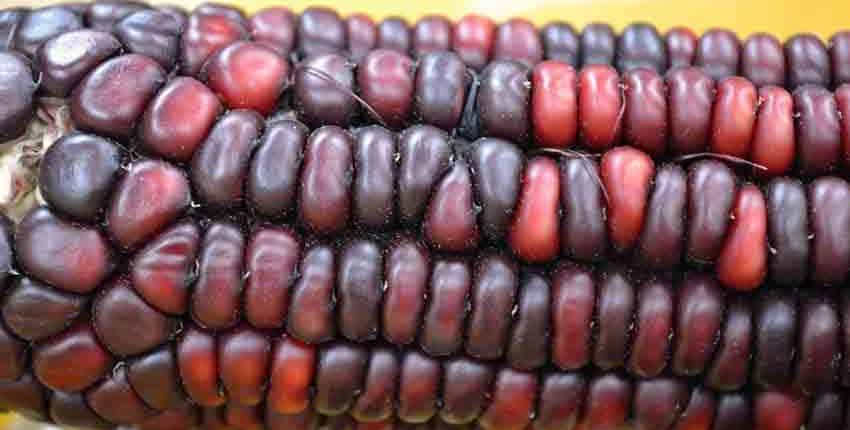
[(147, 199), (178, 119), (385, 82), (217, 292), (431, 33), (126, 324), (274, 27), (115, 401), (154, 377), (34, 311), (162, 270), (112, 98), (68, 256), (71, 361), (271, 261)]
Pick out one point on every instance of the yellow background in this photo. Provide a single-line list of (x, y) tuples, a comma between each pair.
[(780, 17)]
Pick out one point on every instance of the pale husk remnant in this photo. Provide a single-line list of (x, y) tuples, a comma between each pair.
[(20, 158)]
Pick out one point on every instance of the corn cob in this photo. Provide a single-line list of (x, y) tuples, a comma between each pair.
[(219, 268), (318, 289)]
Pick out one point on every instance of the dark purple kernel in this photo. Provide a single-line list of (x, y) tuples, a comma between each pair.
[(221, 164), (819, 345), (394, 34), (359, 289), (503, 101), (661, 241), (641, 46), (584, 232), (320, 31), (529, 341), (730, 366), (424, 155), (763, 60), (17, 88), (176, 12), (616, 302), (839, 53), (156, 379), (102, 15), (788, 231), (40, 25), (653, 323), (776, 336), (467, 384), (681, 47), (374, 180), (362, 34), (817, 121), (340, 371), (497, 165), (115, 401), (152, 33), (34, 311), (711, 191), (77, 174), (440, 89), (561, 43), (10, 21), (658, 402), (829, 220), (50, 249), (66, 59), (718, 53), (323, 90), (492, 301), (827, 412), (808, 61), (6, 251), (431, 33), (734, 412), (407, 275), (273, 176), (597, 44)]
